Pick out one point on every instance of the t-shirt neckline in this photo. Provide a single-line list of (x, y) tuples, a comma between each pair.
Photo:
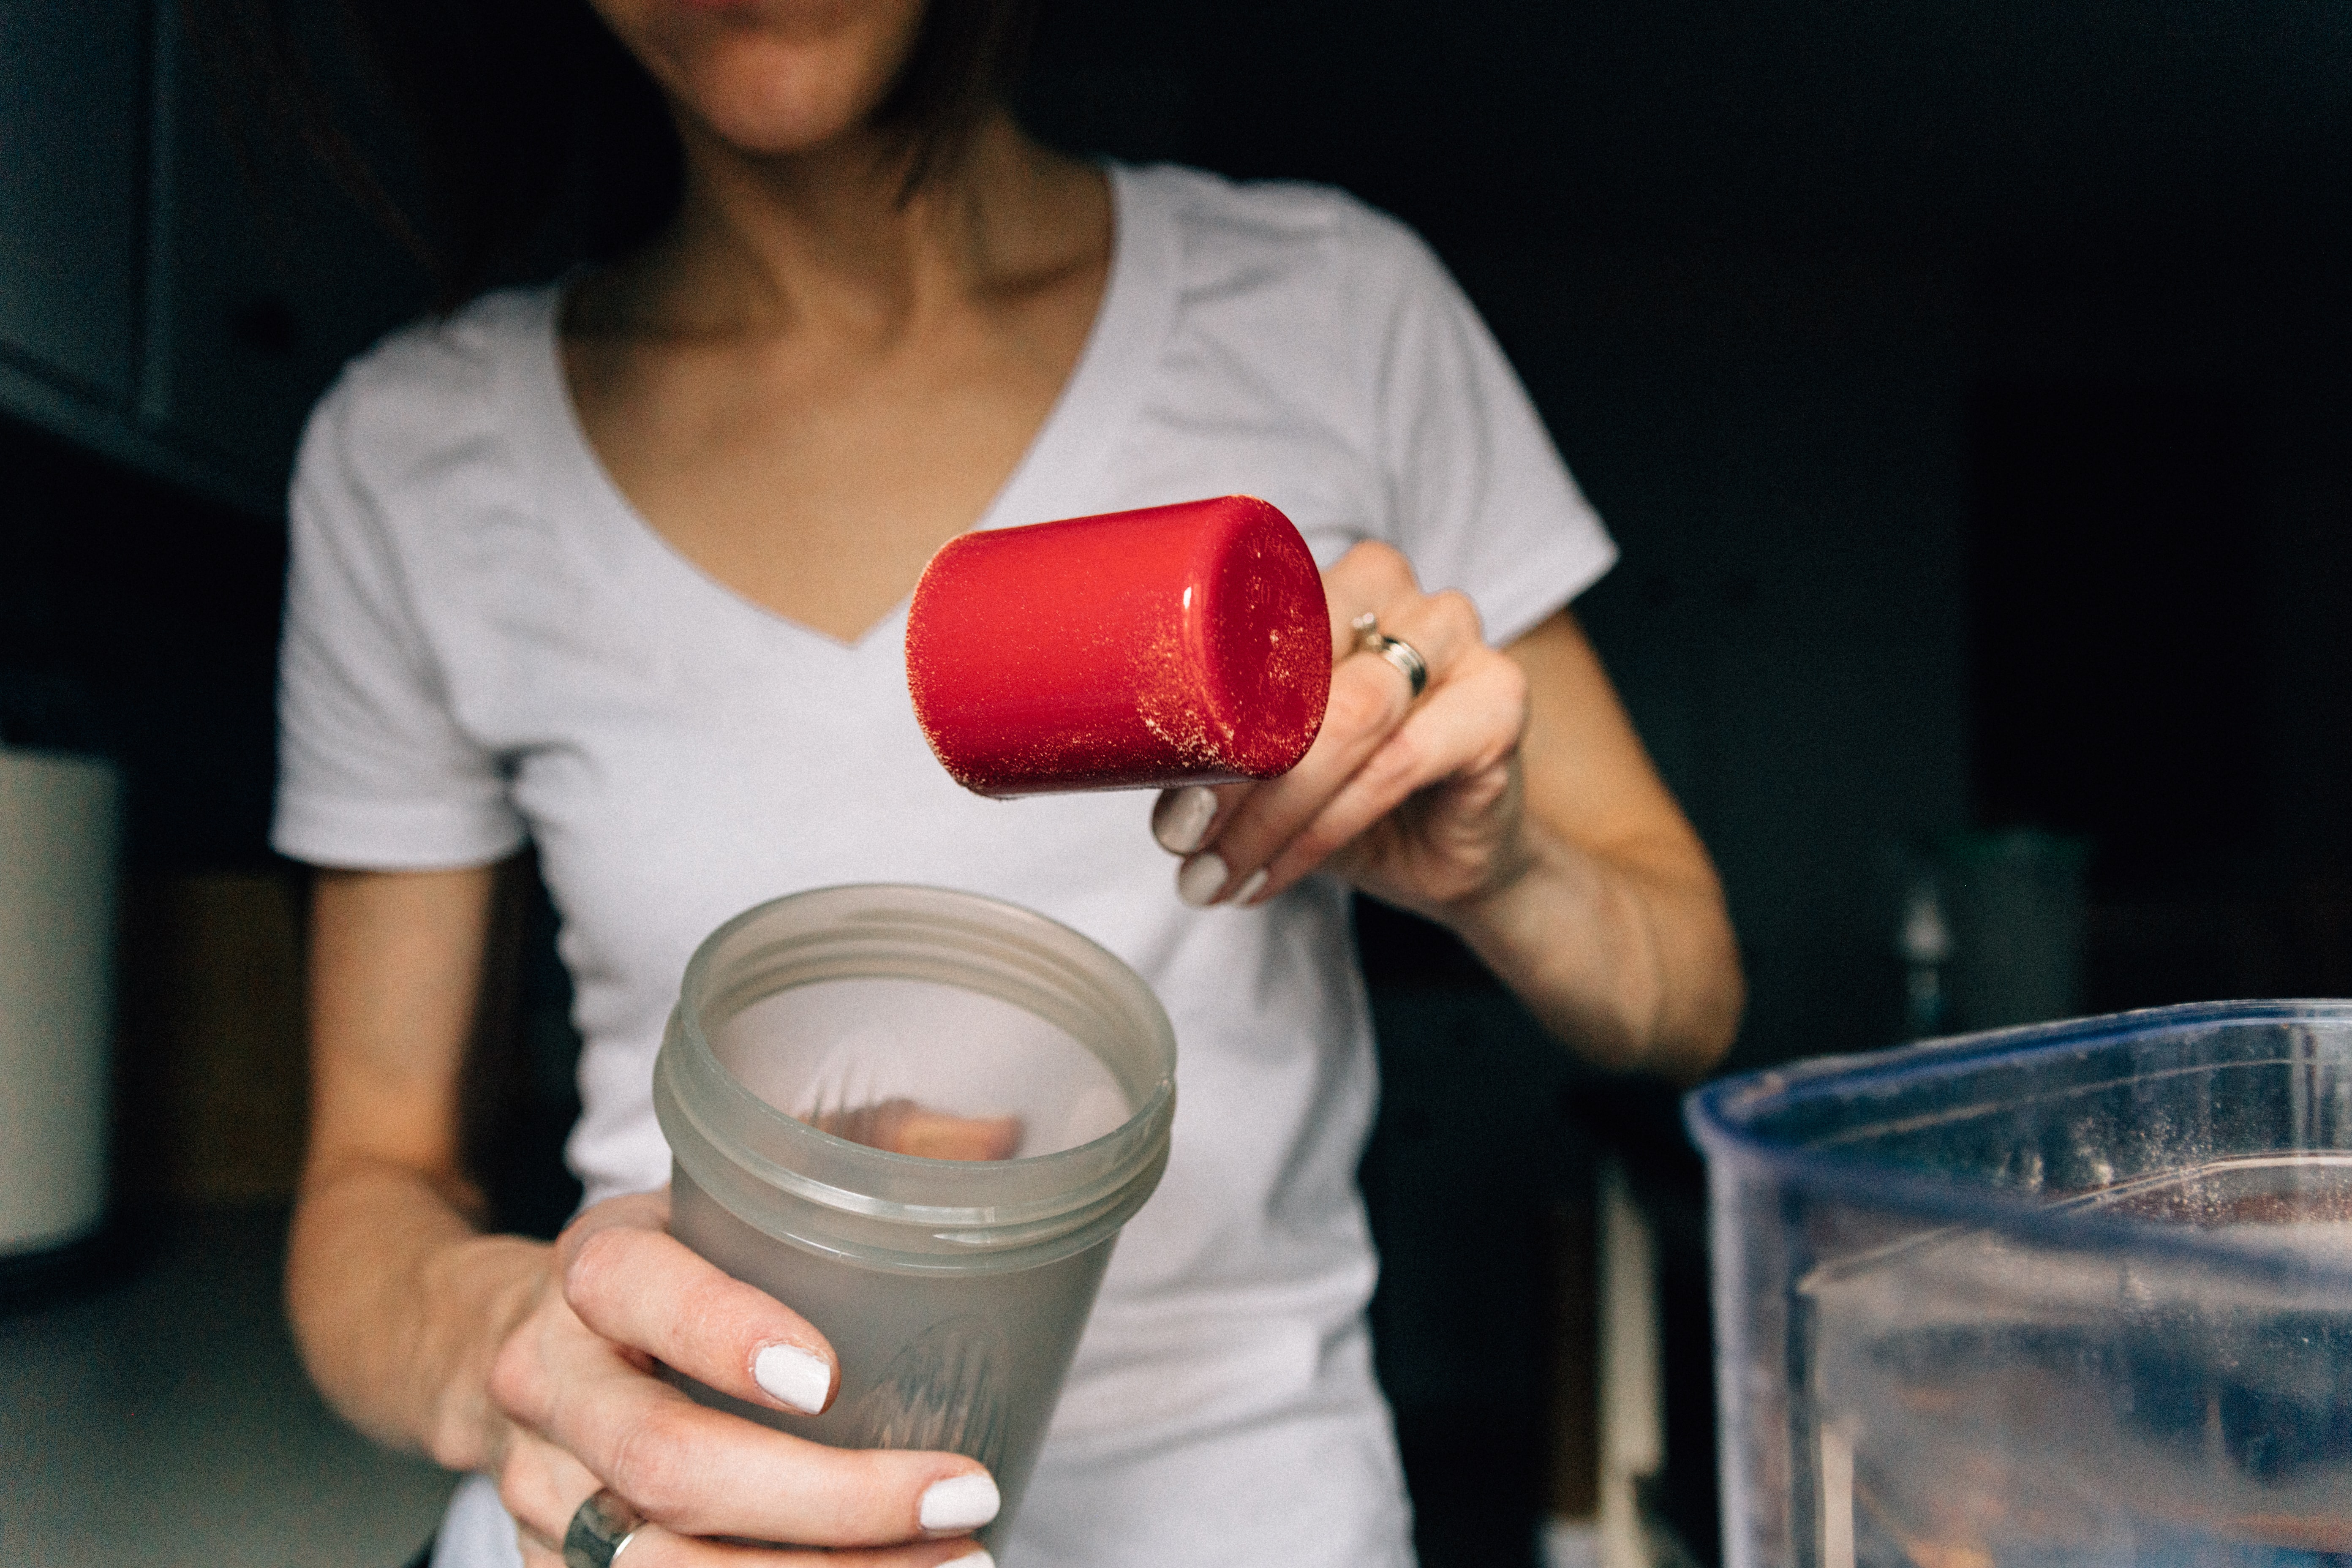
[(1054, 477)]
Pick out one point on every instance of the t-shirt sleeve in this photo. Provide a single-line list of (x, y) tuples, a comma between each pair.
[(374, 771), (1481, 500)]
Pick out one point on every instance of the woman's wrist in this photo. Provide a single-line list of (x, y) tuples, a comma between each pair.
[(1628, 963), (478, 1291), (400, 1305), (1503, 918), (1569, 934)]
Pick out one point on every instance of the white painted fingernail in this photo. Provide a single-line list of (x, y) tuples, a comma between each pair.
[(960, 1502), (970, 1560), (1181, 820), (1201, 878), (1250, 885), (794, 1375)]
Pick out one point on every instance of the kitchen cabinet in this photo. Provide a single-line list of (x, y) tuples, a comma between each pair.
[(167, 298), (72, 155), (266, 277), (71, 83)]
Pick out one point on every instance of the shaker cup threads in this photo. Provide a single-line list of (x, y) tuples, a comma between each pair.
[(920, 1119)]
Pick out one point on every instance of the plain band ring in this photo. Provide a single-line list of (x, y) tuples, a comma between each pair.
[(1396, 651), (599, 1528)]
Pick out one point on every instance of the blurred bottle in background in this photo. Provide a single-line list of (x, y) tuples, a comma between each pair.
[(1990, 931)]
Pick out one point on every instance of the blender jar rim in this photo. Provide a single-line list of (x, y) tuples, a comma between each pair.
[(1729, 1121)]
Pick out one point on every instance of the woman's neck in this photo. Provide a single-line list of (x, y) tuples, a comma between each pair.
[(764, 244)]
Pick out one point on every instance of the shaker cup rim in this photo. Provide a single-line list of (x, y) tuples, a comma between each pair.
[(801, 1184)]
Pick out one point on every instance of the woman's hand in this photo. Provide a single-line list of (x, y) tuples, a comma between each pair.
[(1510, 801), (1417, 802), (575, 1388), (536, 1364)]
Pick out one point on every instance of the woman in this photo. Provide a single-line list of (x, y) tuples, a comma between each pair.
[(618, 567)]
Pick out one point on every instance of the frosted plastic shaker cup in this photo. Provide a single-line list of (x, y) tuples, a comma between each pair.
[(953, 1290)]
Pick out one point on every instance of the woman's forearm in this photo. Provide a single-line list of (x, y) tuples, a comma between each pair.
[(1609, 920), (399, 1304), (1626, 955)]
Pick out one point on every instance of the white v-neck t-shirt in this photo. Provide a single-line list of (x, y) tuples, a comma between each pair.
[(485, 644)]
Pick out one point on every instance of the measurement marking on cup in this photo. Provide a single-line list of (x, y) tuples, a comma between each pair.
[(942, 1392), (1837, 1497)]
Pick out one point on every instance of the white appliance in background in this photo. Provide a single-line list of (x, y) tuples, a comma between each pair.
[(1633, 1399), (60, 828)]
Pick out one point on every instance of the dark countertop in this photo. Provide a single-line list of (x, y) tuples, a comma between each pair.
[(165, 1419)]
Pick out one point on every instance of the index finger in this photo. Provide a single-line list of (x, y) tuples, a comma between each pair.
[(1370, 576), (699, 1471), (1370, 700), (636, 1284)]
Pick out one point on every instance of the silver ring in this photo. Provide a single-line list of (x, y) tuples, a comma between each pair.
[(599, 1528), (1396, 651)]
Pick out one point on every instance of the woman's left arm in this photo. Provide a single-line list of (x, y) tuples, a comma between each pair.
[(1511, 801)]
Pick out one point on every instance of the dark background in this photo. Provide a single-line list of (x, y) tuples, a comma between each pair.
[(1967, 386)]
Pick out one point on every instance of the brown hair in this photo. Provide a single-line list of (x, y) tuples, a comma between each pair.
[(539, 140)]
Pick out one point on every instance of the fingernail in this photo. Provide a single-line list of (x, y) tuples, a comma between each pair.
[(960, 1502), (1201, 878), (970, 1560), (1181, 820), (794, 1375), (1250, 885)]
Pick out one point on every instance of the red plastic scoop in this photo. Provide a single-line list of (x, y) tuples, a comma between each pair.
[(1182, 644)]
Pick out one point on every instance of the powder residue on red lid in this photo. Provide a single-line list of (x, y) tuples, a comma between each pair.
[(1170, 644)]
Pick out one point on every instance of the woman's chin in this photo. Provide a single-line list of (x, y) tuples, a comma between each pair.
[(767, 78), (782, 102)]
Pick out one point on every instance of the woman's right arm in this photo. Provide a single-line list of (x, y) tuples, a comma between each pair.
[(534, 1363), (396, 1298)]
